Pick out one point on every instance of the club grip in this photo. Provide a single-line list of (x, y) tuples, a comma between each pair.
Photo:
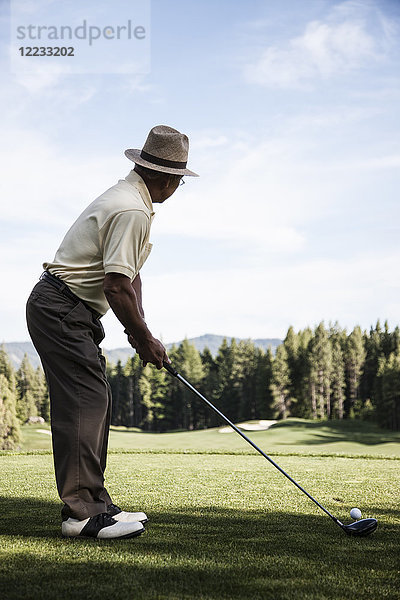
[(170, 369)]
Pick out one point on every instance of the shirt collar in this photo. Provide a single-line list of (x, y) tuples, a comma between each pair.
[(134, 179)]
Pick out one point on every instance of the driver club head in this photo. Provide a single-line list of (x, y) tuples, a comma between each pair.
[(361, 528)]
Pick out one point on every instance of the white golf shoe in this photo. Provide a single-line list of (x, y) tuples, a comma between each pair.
[(101, 526), (124, 516)]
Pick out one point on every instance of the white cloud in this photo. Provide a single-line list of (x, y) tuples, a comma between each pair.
[(257, 195), (209, 140), (42, 184), (37, 80), (48, 84), (134, 84), (263, 302), (341, 44), (367, 164)]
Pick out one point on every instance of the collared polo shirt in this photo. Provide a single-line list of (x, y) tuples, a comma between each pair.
[(110, 236)]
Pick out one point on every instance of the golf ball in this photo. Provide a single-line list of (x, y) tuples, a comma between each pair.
[(355, 514)]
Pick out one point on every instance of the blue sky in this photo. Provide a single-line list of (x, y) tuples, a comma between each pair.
[(292, 112)]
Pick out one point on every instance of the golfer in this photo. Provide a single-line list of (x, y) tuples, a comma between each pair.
[(96, 267)]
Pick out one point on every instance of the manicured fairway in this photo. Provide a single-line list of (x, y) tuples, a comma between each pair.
[(221, 526), (294, 436)]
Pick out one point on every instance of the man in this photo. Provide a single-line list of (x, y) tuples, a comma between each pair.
[(96, 267)]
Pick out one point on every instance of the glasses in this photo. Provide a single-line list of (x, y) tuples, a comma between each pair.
[(182, 182)]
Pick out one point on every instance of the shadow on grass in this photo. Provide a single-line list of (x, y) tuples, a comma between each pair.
[(194, 553), (348, 430)]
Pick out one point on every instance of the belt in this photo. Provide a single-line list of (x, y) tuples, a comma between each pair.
[(64, 289)]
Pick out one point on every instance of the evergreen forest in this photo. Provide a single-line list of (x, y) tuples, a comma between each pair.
[(320, 373)]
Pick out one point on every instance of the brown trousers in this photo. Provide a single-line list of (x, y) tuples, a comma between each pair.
[(66, 335)]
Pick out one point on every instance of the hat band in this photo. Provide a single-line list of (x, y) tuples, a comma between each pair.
[(174, 164)]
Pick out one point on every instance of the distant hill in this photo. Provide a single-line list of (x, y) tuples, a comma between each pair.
[(16, 350), (122, 354), (213, 342)]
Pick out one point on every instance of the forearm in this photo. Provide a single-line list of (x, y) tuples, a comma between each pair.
[(137, 287), (126, 305), (122, 298)]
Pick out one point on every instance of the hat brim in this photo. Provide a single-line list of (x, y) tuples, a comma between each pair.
[(134, 156)]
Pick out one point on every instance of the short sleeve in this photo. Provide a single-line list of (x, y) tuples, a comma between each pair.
[(125, 237)]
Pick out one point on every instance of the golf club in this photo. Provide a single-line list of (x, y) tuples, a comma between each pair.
[(358, 528)]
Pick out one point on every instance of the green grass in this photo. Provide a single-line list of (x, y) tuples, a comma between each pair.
[(222, 526), (293, 436)]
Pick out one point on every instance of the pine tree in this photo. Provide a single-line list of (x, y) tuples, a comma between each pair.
[(387, 340), (210, 383), (373, 352), (354, 360), (173, 412), (300, 377), (41, 395), (388, 391), (9, 424), (132, 416), (396, 339), (152, 384), (320, 357), (246, 380), (297, 347), (26, 383), (6, 368), (265, 400), (280, 383), (227, 393), (291, 343), (191, 368), (118, 384), (338, 379), (262, 400)]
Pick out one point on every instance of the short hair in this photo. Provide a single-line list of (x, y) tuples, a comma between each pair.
[(152, 174)]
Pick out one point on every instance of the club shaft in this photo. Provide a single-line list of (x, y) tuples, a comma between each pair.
[(173, 372)]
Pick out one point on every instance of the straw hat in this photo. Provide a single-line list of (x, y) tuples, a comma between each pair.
[(165, 150)]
